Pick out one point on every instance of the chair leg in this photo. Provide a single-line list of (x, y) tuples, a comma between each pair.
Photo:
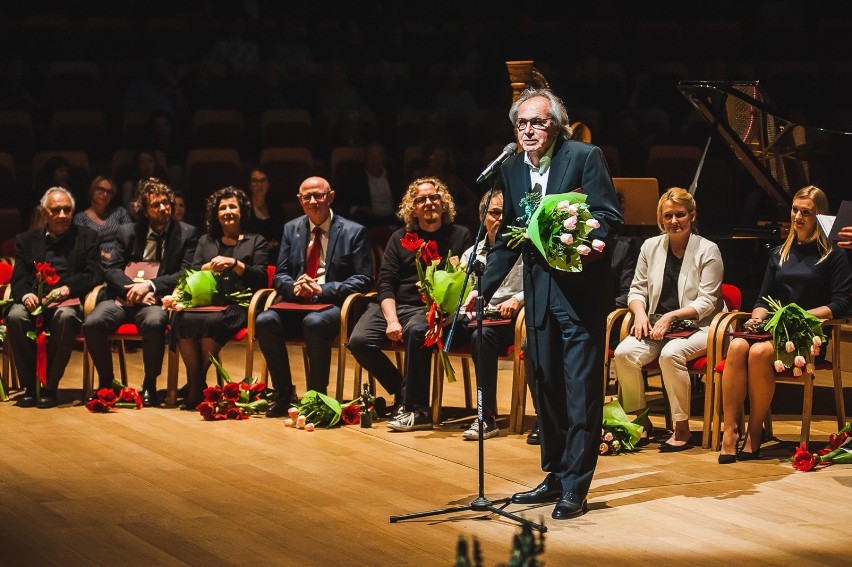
[(469, 394), (341, 373), (807, 409), (122, 362), (249, 358), (517, 412), (838, 384), (716, 440), (87, 373), (437, 392), (708, 409), (306, 361), (171, 377)]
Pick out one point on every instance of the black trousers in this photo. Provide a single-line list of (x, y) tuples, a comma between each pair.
[(106, 317), (63, 324)]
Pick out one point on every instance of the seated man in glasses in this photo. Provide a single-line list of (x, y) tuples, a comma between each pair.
[(323, 259), (167, 246), (428, 210), (73, 268)]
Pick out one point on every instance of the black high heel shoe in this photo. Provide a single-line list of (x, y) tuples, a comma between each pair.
[(727, 459), (748, 455)]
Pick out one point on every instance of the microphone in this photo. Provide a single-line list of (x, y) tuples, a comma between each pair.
[(508, 152)]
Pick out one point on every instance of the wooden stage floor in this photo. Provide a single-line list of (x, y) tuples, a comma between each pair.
[(163, 487)]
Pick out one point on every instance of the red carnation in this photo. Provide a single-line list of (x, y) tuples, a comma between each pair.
[(411, 241)]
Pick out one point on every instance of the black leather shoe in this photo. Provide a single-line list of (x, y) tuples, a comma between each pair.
[(547, 491), (183, 391), (669, 448), (278, 409), (570, 505), (534, 437), (727, 459), (748, 455), (27, 401), (150, 398), (47, 400)]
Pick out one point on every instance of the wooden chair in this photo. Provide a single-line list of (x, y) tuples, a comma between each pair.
[(218, 128), (700, 367), (124, 332), (8, 376), (732, 322), (519, 384), (286, 127)]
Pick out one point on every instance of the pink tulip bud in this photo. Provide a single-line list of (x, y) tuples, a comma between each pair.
[(604, 449), (583, 250), (814, 350), (598, 245), (293, 413), (573, 210), (563, 205), (300, 422), (593, 223), (616, 444), (797, 371), (566, 238), (809, 368), (527, 235), (608, 436), (779, 366), (309, 427), (817, 341), (570, 223), (799, 361), (288, 422), (454, 261), (790, 347)]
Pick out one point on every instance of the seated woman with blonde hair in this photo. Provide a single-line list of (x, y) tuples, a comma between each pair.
[(678, 276), (806, 270)]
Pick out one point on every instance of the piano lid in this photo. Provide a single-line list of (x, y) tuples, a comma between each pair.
[(782, 155)]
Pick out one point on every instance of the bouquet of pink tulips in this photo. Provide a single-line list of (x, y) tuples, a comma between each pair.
[(797, 336)]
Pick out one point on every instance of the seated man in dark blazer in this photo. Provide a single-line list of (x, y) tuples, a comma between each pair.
[(154, 237), (73, 252), (323, 259), (369, 193)]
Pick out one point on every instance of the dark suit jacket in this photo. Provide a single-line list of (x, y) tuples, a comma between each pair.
[(84, 263), (250, 250), (575, 165), (352, 188), (348, 262), (178, 250)]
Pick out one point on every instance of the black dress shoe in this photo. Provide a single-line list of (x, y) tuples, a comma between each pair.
[(183, 391), (669, 448), (727, 459), (570, 505), (547, 491), (278, 409), (27, 401), (748, 455), (47, 400), (534, 437), (150, 398)]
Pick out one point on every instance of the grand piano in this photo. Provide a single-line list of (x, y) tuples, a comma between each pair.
[(782, 155)]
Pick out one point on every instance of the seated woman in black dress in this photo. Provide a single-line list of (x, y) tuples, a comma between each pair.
[(239, 259)]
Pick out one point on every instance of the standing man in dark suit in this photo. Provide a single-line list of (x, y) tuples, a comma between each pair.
[(323, 259), (72, 251), (154, 237), (566, 312)]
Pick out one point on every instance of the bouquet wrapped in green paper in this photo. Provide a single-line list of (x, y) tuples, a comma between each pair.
[(197, 288), (619, 433), (558, 226)]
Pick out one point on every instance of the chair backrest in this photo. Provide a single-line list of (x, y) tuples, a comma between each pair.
[(732, 296), (5, 273), (270, 274), (641, 195)]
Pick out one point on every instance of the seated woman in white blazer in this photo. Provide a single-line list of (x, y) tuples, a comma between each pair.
[(678, 276)]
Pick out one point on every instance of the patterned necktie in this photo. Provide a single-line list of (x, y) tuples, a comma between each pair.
[(313, 258), (153, 248)]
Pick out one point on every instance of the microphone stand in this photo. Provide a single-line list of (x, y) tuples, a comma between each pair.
[(481, 503)]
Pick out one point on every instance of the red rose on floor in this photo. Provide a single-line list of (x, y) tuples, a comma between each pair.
[(107, 395), (213, 394), (257, 387), (803, 460), (351, 414), (231, 391), (97, 406), (430, 252), (411, 241)]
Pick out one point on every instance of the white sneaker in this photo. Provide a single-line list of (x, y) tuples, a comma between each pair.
[(489, 430), (411, 421)]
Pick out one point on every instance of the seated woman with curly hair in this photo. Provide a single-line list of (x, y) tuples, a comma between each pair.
[(239, 259)]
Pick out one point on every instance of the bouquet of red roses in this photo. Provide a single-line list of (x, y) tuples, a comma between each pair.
[(233, 400), (45, 274), (117, 396)]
